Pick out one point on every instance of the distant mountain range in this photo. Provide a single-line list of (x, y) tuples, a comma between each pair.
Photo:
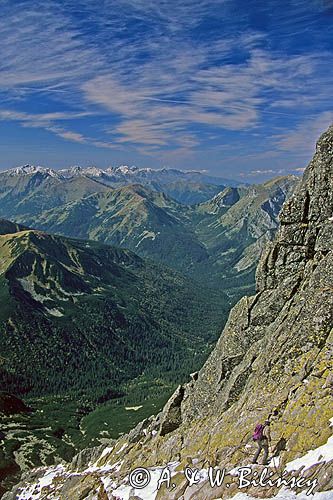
[(217, 241), (188, 186), (125, 174)]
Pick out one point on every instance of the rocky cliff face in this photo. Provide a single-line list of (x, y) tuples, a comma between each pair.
[(274, 358)]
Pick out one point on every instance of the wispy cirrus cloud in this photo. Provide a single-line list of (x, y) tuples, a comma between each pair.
[(48, 121), (260, 172), (301, 140), (152, 110), (68, 135), (39, 45), (162, 77), (39, 119)]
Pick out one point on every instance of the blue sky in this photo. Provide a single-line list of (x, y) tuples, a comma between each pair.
[(240, 88)]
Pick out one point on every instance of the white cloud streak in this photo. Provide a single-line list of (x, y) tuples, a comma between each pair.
[(152, 108), (39, 45), (301, 140), (47, 121), (165, 99)]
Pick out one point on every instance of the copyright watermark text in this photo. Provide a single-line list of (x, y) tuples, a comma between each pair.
[(244, 477)]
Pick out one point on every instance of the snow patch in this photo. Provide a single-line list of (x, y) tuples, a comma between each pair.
[(105, 468), (33, 492), (105, 452), (322, 454), (274, 462), (108, 483), (134, 408), (122, 448), (146, 234)]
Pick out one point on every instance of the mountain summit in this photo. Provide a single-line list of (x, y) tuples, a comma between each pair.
[(123, 174), (274, 358)]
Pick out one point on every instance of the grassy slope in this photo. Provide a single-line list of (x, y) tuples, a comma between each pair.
[(133, 217), (217, 243), (72, 304), (32, 194)]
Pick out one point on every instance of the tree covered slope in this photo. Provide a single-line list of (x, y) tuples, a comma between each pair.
[(79, 315)]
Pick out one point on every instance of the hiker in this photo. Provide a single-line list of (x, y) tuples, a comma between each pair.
[(262, 437)]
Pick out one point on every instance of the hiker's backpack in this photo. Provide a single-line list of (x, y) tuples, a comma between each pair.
[(258, 432)]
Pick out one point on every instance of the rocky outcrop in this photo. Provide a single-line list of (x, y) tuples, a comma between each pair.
[(274, 358), (171, 416), (86, 457), (290, 318), (275, 354)]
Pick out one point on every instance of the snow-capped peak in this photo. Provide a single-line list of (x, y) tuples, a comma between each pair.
[(125, 169), (123, 174), (94, 171), (70, 171), (30, 170)]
